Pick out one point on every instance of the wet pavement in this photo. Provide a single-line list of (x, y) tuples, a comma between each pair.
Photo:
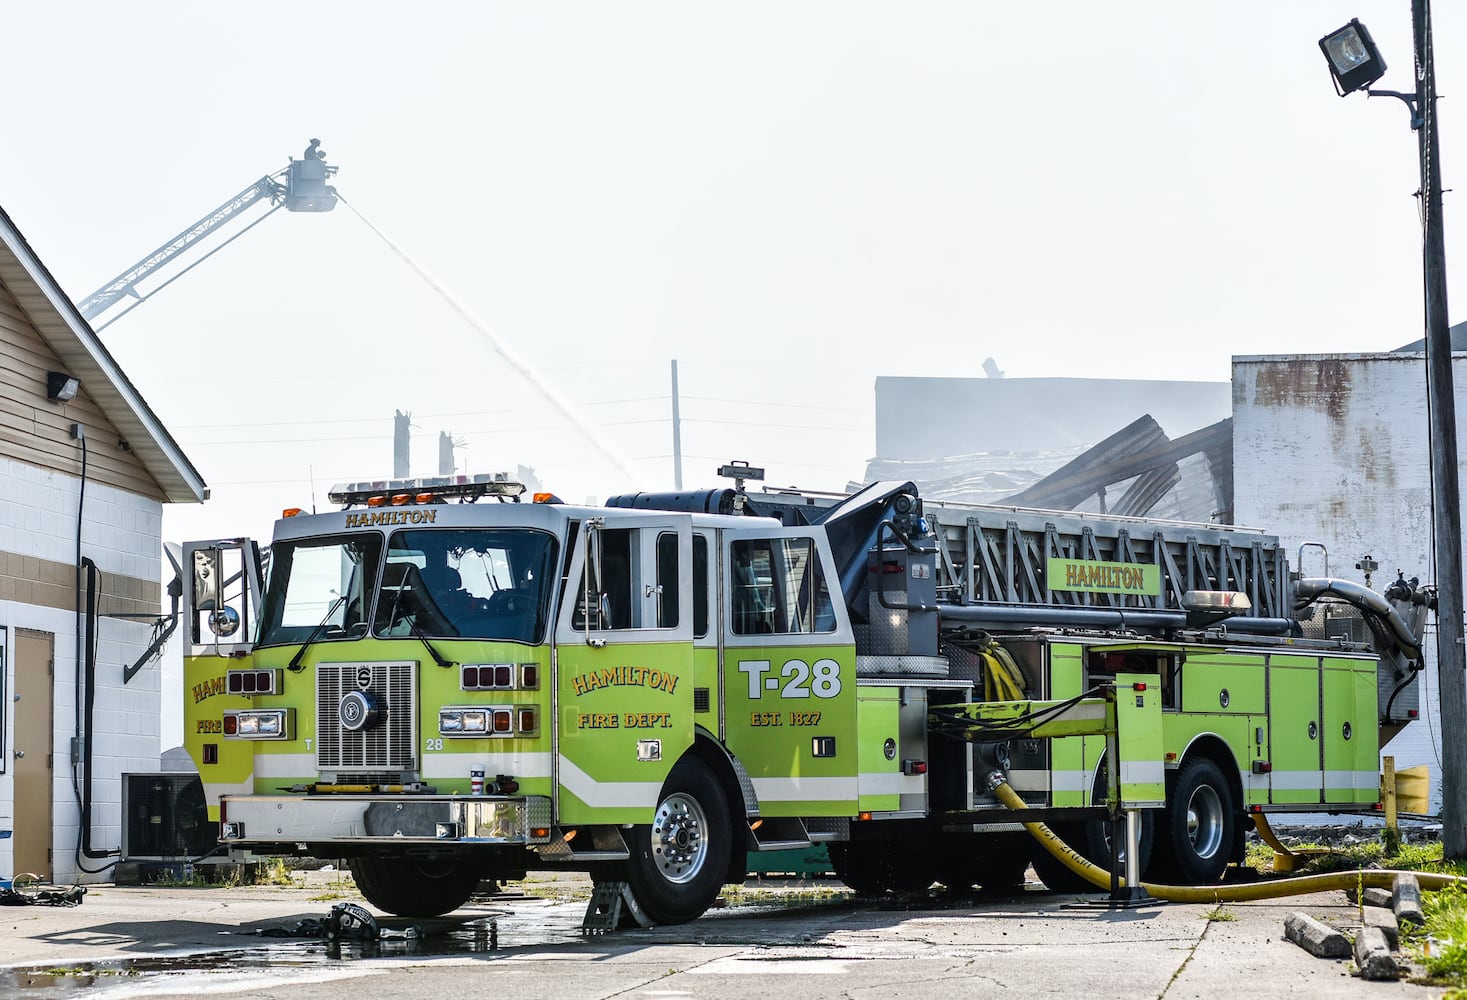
[(802, 940)]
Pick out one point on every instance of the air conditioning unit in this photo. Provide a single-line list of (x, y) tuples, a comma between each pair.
[(165, 818)]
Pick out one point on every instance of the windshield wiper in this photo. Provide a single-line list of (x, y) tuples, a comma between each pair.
[(295, 661), (416, 631)]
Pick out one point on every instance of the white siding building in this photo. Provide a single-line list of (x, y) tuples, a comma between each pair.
[(1333, 449), (84, 471)]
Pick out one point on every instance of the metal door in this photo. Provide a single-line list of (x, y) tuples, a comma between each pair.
[(32, 749)]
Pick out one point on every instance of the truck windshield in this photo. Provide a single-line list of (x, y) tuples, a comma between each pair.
[(319, 588), (480, 583)]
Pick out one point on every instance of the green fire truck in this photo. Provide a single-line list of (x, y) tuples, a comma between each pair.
[(446, 682)]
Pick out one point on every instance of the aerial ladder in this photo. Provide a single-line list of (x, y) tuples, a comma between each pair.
[(301, 186)]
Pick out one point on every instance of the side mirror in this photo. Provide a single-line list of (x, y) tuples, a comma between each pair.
[(593, 601), (206, 579), (224, 622)]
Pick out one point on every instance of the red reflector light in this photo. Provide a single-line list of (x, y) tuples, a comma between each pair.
[(1138, 687), (1413, 713), (231, 725), (503, 722)]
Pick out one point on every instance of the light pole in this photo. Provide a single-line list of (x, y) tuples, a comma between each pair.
[(1356, 63)]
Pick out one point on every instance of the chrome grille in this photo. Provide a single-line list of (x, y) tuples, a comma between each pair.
[(389, 744)]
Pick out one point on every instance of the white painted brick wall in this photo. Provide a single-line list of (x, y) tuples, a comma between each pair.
[(1334, 449), (121, 533)]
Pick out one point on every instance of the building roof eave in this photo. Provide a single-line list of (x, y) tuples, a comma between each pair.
[(79, 349)]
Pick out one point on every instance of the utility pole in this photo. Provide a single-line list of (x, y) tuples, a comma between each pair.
[(1442, 416), (677, 434)]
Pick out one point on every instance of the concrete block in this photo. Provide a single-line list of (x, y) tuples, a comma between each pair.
[(1406, 891), (1320, 940), (1373, 956), (1373, 897), (1377, 916)]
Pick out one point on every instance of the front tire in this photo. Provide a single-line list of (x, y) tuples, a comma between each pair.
[(413, 887), (678, 862)]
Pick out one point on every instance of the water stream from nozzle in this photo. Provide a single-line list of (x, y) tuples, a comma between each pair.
[(561, 404)]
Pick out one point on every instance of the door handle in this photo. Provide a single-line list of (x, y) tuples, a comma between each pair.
[(19, 754)]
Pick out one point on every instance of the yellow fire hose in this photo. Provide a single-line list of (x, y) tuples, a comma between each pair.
[(1285, 859), (1097, 876)]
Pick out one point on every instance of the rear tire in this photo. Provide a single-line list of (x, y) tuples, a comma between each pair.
[(414, 887), (679, 862), (1200, 824), (1051, 871), (1091, 839)]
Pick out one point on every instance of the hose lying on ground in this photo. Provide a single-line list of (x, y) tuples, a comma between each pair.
[(1273, 889), (1285, 859)]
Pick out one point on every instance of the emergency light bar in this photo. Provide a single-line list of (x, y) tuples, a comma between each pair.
[(1216, 601), (425, 489)]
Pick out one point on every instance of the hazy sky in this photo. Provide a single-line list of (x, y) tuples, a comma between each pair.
[(790, 199)]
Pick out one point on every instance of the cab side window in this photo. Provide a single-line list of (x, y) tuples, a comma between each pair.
[(777, 587), (634, 579)]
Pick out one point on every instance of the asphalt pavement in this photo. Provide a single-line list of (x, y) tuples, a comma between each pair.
[(804, 940)]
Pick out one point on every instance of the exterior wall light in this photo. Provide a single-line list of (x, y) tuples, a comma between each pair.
[(61, 386), (1354, 61)]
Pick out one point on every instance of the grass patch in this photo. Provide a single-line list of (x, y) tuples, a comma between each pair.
[(1420, 856), (1440, 947), (1219, 913)]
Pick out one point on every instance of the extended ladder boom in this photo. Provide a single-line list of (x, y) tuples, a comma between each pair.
[(96, 303), (300, 187)]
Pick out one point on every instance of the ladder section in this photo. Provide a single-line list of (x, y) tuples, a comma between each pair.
[(1002, 556)]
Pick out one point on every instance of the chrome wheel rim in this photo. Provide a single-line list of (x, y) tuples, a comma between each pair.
[(1205, 821), (679, 838)]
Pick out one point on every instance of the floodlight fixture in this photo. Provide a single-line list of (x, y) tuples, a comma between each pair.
[(1354, 61), (61, 386)]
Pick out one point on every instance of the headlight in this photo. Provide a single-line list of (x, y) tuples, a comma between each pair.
[(492, 721), (271, 724)]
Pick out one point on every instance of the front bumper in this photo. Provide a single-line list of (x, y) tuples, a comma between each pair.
[(247, 820)]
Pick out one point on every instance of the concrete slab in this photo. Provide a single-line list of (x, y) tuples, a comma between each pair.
[(800, 947)]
